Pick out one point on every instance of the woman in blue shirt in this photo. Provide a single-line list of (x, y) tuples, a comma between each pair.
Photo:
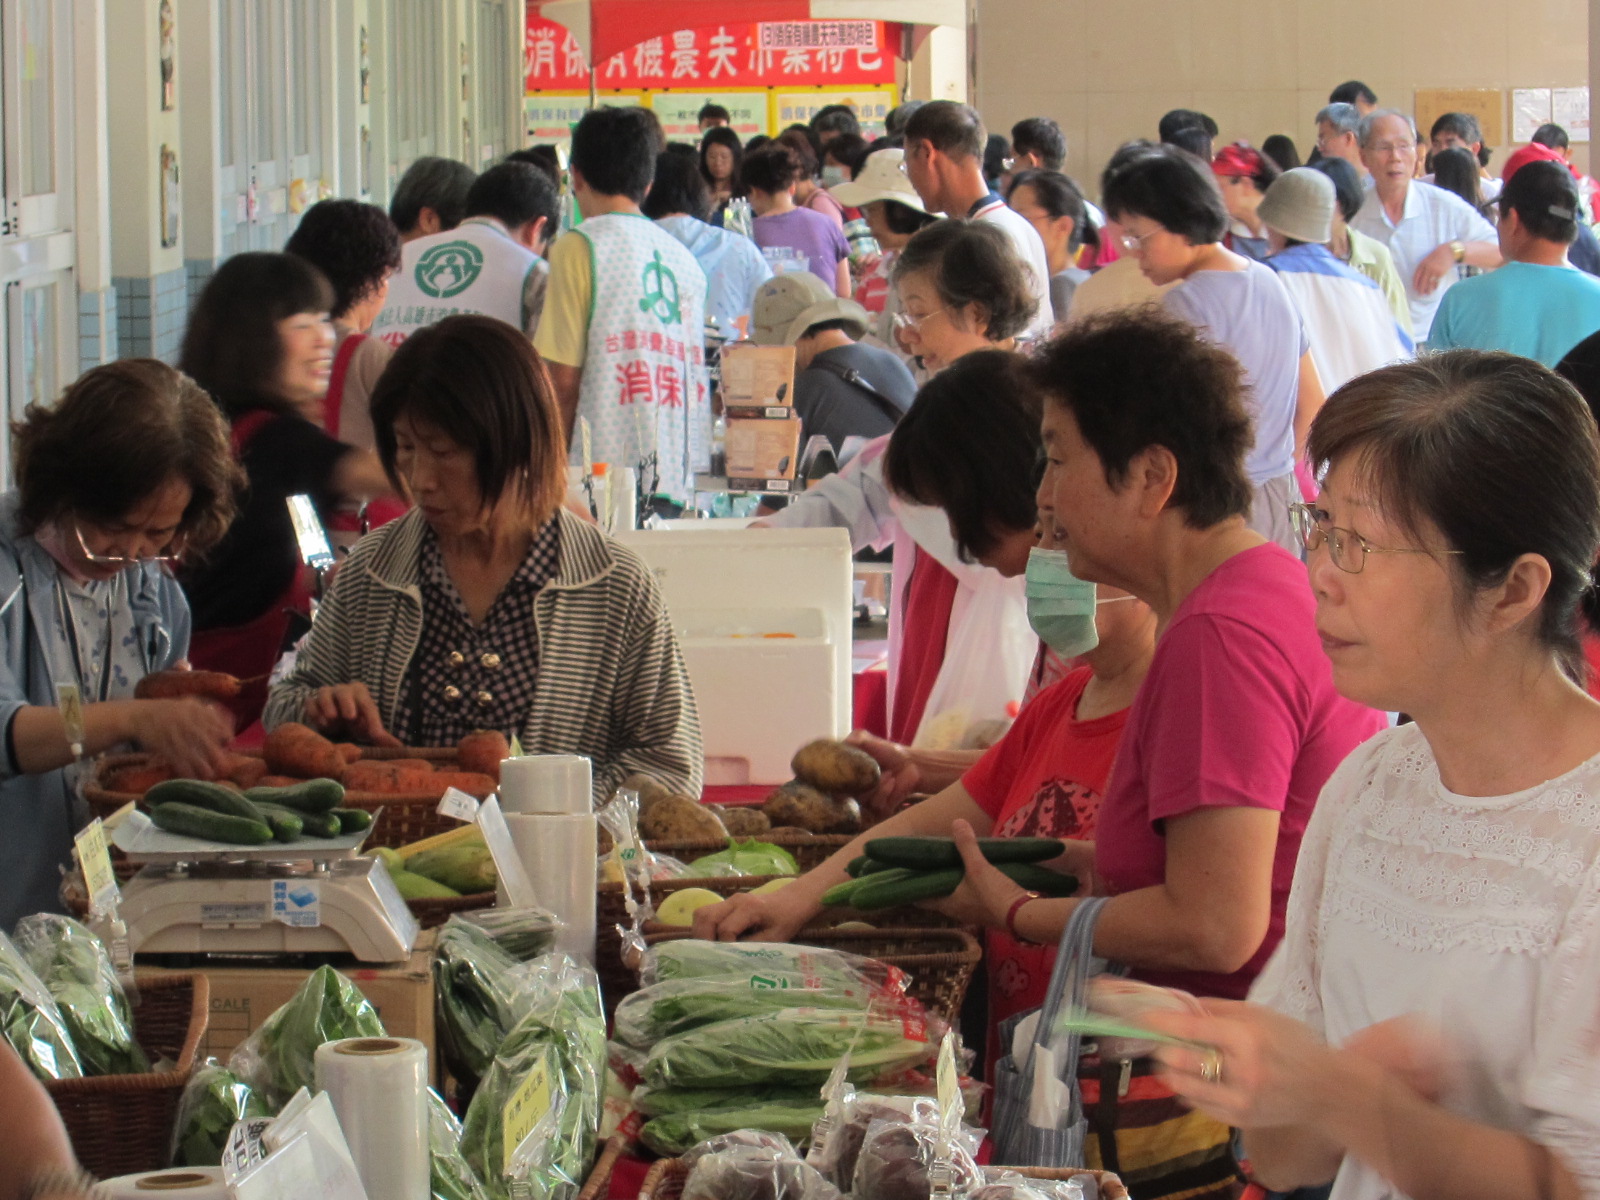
[(131, 469)]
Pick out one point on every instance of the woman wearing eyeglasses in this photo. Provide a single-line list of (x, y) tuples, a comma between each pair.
[(1428, 1026), (1173, 219), (130, 469)]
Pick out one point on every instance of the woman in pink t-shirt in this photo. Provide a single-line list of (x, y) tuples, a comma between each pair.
[(1237, 725)]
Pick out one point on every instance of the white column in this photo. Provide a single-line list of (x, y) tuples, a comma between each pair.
[(939, 69)]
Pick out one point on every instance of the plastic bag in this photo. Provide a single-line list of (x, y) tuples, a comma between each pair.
[(675, 1005), (523, 933), (629, 861), (792, 1046), (749, 857), (896, 1158), (1008, 1185), (836, 1155), (770, 964), (31, 1021), (755, 1173), (759, 1139), (673, 1133), (660, 1102), (452, 1178), (277, 1060), (476, 985), (76, 969), (213, 1102), (552, 1065)]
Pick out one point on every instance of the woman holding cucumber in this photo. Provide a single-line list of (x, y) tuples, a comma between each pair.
[(129, 470)]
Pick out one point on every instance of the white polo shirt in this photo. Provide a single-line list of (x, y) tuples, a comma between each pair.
[(1432, 218), (1030, 250)]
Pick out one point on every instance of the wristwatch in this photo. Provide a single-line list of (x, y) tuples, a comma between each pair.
[(1459, 249)]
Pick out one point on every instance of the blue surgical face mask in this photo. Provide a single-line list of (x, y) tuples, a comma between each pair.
[(1061, 606), (833, 176)]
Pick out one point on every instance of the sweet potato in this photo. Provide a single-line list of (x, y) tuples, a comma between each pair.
[(139, 780), (299, 750), (278, 781), (169, 685), (349, 751), (482, 752), (471, 782), (247, 772)]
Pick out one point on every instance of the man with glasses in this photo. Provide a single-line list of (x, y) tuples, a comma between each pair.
[(944, 161), (1430, 232), (1337, 127)]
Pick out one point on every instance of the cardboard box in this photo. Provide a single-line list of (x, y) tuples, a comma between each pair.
[(758, 382), (242, 997), (763, 454)]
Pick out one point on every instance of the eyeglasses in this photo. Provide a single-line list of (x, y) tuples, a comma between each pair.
[(1134, 243), (906, 323), (1382, 148), (119, 560), (1347, 548)]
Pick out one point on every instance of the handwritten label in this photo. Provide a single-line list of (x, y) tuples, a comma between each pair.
[(95, 860), (70, 704), (459, 806), (526, 1108)]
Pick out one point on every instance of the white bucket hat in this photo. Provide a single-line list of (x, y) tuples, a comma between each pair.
[(883, 177), (1299, 204)]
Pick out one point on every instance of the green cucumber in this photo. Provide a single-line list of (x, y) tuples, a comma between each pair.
[(193, 821), (890, 889), (1038, 879), (322, 825), (840, 893), (287, 825), (353, 820), (201, 794), (853, 867), (312, 796), (936, 853)]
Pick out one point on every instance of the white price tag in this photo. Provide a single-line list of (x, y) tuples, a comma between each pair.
[(459, 806)]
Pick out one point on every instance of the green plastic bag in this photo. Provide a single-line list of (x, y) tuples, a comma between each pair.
[(744, 858), (213, 1101), (676, 1005), (76, 970), (278, 1059), (31, 1021)]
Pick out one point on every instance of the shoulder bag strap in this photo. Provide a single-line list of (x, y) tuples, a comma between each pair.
[(856, 380)]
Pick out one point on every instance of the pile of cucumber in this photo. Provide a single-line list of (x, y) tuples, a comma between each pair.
[(195, 808), (903, 870)]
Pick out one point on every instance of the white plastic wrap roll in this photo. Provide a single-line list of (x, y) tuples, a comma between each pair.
[(379, 1089), (559, 853), (546, 783), (179, 1183), (622, 500)]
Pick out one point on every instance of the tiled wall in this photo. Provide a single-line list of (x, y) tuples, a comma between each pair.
[(151, 313), (97, 328), (1108, 73)]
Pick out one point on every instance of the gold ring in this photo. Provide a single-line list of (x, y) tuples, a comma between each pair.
[(1211, 1067)]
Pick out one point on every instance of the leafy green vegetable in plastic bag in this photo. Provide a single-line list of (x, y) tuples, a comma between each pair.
[(561, 1041), (675, 1005), (30, 1020), (793, 1046), (213, 1101), (662, 1102), (674, 1133), (278, 1059), (523, 933), (76, 970), (745, 858), (774, 964), (452, 1178), (476, 995)]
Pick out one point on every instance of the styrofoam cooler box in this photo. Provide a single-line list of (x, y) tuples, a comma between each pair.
[(764, 620)]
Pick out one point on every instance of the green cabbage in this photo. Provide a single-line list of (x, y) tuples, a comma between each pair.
[(744, 858)]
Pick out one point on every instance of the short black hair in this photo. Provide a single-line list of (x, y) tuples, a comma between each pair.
[(1464, 125), (437, 183), (805, 151), (848, 150), (973, 262), (1041, 136), (1280, 148), (1172, 188), (615, 149), (895, 123), (542, 156), (1551, 135), (1353, 92), (515, 193), (952, 129), (1184, 118), (1059, 197), (713, 112), (1346, 184), (354, 245), (771, 169), (995, 152), (1133, 379), (970, 445), (835, 118), (1121, 157), (678, 189), (1455, 169), (1545, 198), (1193, 139)]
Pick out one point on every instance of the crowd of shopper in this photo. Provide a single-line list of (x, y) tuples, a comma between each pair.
[(1298, 437)]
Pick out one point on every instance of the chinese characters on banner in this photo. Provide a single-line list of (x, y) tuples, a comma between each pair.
[(760, 55)]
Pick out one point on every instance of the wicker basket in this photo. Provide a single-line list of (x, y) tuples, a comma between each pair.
[(431, 914), (122, 1124), (666, 1179), (809, 851), (938, 962), (598, 1185)]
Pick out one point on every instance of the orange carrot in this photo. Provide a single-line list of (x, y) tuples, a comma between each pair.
[(471, 782), (247, 772), (169, 685), (349, 751), (482, 752), (138, 780), (299, 750)]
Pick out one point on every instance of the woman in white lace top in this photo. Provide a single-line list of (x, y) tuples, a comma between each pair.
[(1430, 1024)]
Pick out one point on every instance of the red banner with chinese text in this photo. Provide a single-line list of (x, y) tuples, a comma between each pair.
[(759, 55)]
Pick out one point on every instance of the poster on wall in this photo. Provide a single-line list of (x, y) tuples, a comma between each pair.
[(1487, 104), (171, 197), (1530, 108), (365, 66), (1569, 108), (679, 112), (871, 106), (169, 56)]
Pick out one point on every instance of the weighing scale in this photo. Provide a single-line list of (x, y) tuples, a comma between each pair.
[(312, 896)]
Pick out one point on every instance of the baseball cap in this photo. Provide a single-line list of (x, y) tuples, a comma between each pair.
[(787, 305), (882, 177), (1300, 204), (1532, 152)]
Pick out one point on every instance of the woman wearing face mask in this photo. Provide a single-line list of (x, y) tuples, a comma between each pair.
[(259, 340), (1046, 776)]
